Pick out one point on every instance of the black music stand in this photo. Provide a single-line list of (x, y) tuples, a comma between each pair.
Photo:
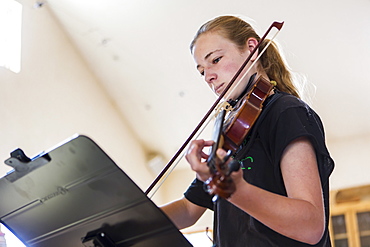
[(75, 195)]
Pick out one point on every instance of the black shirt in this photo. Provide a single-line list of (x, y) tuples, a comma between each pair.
[(281, 122)]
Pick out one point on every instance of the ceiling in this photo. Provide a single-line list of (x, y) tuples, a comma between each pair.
[(139, 50)]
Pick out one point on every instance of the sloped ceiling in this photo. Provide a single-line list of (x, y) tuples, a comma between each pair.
[(140, 52)]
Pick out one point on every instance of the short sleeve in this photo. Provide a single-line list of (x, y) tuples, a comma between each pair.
[(299, 120), (197, 195)]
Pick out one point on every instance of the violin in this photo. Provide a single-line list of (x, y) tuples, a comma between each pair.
[(231, 133)]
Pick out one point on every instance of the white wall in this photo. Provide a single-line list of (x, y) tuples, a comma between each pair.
[(351, 158), (55, 96)]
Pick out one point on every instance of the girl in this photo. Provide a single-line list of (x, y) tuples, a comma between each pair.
[(282, 190)]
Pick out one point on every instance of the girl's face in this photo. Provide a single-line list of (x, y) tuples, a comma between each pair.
[(218, 59)]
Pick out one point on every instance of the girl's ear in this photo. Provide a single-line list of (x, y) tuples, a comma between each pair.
[(251, 44)]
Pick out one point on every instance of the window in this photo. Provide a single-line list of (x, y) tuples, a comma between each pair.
[(11, 240), (10, 35)]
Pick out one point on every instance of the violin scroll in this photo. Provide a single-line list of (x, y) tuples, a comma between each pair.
[(220, 183)]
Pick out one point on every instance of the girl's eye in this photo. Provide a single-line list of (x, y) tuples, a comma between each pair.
[(216, 60)]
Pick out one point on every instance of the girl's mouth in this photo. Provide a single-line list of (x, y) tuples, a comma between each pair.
[(219, 89)]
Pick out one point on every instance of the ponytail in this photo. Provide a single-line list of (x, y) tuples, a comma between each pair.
[(276, 69)]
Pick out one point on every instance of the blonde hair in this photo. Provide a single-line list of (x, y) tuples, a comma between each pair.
[(239, 31)]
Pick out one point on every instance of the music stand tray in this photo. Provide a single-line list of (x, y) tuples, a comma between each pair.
[(75, 195)]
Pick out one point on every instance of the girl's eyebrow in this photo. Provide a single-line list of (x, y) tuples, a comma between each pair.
[(208, 55)]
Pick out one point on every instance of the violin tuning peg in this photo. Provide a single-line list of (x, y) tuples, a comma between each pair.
[(233, 166)]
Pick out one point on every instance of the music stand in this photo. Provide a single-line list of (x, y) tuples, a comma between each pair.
[(75, 195)]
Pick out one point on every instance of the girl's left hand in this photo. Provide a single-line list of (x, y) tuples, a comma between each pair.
[(236, 176)]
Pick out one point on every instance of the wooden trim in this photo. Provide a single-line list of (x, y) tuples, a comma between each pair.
[(349, 202)]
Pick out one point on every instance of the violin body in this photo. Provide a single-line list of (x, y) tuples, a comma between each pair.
[(240, 121)]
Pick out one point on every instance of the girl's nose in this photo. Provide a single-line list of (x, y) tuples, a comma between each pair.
[(209, 76)]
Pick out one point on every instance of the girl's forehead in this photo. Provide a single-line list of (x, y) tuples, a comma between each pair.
[(210, 42), (211, 37)]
